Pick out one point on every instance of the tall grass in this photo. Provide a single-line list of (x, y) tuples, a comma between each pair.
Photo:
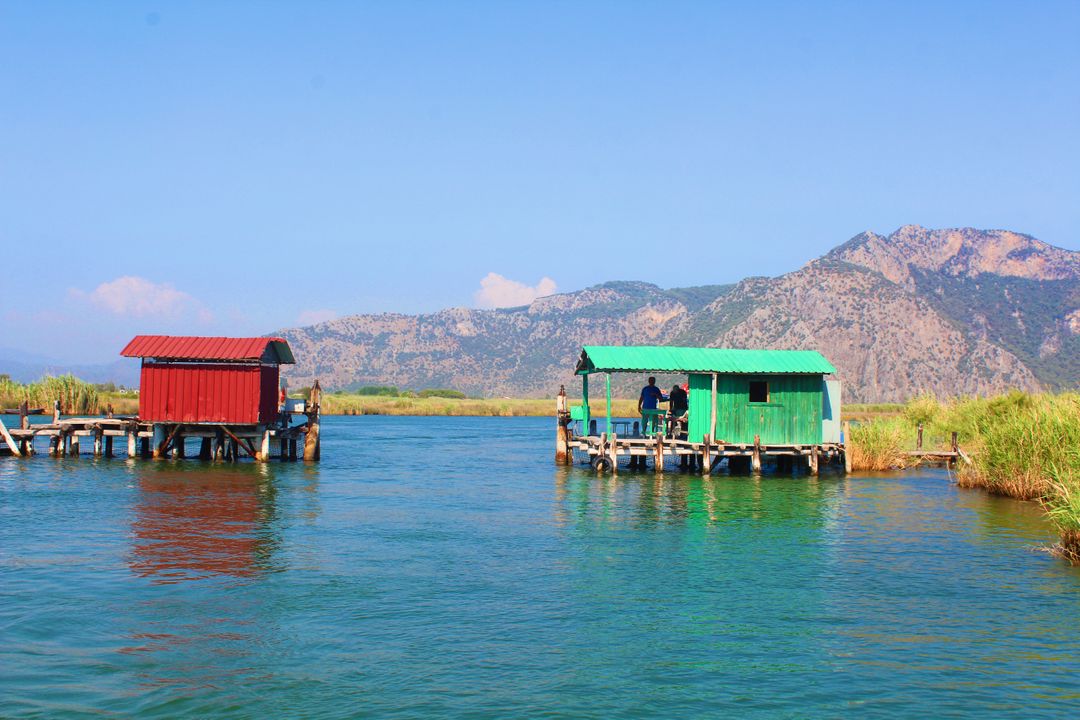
[(1021, 445), (75, 396)]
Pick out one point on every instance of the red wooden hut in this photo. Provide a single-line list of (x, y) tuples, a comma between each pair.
[(194, 380)]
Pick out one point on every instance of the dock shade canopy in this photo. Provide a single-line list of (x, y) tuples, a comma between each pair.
[(271, 350), (656, 358)]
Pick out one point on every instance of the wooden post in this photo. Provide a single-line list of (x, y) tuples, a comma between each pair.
[(712, 410), (97, 441), (614, 449), (73, 444), (706, 456), (847, 444), (955, 444), (812, 460), (755, 459), (658, 461), (56, 413), (145, 451), (131, 442), (601, 450), (9, 441), (264, 450), (918, 440), (561, 418), (108, 446), (24, 415), (178, 445), (586, 420), (607, 384), (206, 451), (54, 445), (311, 442), (218, 446)]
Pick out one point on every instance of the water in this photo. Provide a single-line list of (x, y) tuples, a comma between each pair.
[(415, 574)]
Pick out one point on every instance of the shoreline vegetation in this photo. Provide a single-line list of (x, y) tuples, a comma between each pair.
[(1020, 445), (77, 397)]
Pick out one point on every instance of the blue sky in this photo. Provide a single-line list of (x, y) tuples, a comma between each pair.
[(234, 168)]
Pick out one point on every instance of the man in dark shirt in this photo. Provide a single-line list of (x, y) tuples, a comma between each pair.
[(679, 404)]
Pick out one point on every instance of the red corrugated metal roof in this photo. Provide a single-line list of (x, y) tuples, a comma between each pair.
[(173, 347)]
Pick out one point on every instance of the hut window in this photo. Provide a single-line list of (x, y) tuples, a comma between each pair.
[(759, 391)]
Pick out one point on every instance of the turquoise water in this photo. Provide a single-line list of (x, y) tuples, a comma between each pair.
[(415, 574)]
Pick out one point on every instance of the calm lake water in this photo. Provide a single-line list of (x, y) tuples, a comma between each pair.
[(415, 574)]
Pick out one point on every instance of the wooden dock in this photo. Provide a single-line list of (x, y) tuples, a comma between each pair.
[(97, 436)]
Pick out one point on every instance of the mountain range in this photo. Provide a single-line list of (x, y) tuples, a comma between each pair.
[(957, 311)]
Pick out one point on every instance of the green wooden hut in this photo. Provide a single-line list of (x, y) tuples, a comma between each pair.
[(778, 395)]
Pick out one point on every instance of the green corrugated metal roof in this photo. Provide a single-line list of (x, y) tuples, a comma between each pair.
[(655, 358)]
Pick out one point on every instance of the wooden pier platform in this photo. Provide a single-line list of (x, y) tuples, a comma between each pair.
[(604, 454), (64, 437)]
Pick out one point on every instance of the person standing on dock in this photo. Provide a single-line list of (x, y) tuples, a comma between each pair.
[(650, 397), (679, 404)]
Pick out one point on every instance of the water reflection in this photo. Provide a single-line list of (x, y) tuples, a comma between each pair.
[(645, 500), (195, 522)]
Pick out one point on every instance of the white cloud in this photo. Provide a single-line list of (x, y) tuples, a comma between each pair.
[(497, 291), (314, 317), (137, 297)]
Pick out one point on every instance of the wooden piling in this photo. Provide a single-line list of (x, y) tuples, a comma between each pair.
[(311, 440), (562, 418), (264, 448), (755, 458), (658, 459), (812, 461), (918, 439), (206, 450), (73, 444), (98, 437), (706, 456), (847, 444), (132, 440), (9, 441)]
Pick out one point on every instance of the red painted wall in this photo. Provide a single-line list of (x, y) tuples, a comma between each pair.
[(208, 392)]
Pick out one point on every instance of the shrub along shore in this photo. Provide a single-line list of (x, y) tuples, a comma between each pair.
[(1020, 445), (77, 397)]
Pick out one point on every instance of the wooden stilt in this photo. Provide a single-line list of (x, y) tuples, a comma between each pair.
[(108, 446), (562, 417), (9, 441), (614, 449), (73, 444), (706, 456), (178, 446), (755, 459), (658, 458), (847, 444), (812, 461), (97, 442), (205, 450), (145, 450), (132, 440), (219, 446), (264, 448), (311, 441)]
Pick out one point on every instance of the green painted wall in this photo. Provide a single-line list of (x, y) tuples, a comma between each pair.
[(792, 416)]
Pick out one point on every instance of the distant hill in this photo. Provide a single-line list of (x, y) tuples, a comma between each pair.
[(948, 311)]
